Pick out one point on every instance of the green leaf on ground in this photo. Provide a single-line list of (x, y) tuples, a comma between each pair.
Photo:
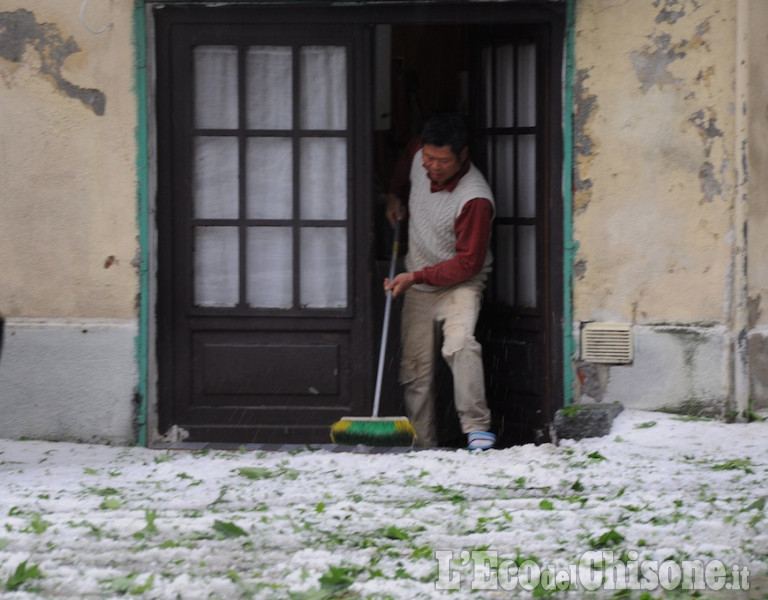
[(758, 504), (263, 473), (105, 491), (110, 504), (395, 533), (228, 529), (37, 524), (150, 529), (334, 583), (606, 540), (733, 465), (21, 575), (128, 584)]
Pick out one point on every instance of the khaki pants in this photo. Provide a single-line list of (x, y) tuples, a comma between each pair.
[(456, 310)]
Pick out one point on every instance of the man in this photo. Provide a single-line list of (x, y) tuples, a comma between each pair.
[(450, 209)]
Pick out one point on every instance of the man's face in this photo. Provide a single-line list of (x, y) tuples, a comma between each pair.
[(441, 163)]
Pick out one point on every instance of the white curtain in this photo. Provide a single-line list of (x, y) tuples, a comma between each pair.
[(215, 178), (324, 267), (215, 87), (269, 164), (323, 178), (270, 267), (216, 282), (324, 87), (269, 87), (322, 263)]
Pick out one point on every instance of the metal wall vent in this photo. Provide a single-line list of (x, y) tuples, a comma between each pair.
[(608, 343)]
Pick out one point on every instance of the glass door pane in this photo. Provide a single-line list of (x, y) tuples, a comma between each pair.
[(324, 87), (269, 177), (269, 87), (215, 87), (323, 178), (324, 267), (283, 189), (505, 86), (526, 168), (215, 178), (527, 266), (270, 267), (504, 181), (216, 266), (526, 85)]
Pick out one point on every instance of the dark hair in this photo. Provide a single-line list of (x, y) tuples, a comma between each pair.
[(446, 130)]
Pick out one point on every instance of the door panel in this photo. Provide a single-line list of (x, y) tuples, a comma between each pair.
[(229, 366), (514, 128), (264, 287)]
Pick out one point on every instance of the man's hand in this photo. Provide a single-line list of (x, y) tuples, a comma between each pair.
[(395, 209), (399, 284)]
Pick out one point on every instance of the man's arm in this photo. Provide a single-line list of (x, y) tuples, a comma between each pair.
[(473, 230), (400, 183)]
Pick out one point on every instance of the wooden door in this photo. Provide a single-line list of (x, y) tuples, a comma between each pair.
[(517, 126), (263, 293)]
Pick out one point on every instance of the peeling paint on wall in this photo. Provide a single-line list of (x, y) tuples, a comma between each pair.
[(753, 311), (580, 269), (584, 146), (651, 63), (593, 381), (20, 29), (706, 124), (710, 186), (671, 12)]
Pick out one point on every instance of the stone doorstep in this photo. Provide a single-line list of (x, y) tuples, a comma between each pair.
[(584, 421)]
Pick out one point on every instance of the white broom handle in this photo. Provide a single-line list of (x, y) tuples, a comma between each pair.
[(385, 327)]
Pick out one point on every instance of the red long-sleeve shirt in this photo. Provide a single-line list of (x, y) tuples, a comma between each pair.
[(472, 227)]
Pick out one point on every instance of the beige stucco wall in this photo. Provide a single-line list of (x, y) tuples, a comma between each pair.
[(68, 227), (655, 160), (68, 220), (758, 160), (671, 140)]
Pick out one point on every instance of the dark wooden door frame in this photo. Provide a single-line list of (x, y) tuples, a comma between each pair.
[(546, 14)]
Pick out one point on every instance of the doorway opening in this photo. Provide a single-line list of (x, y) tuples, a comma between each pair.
[(495, 77), (276, 140)]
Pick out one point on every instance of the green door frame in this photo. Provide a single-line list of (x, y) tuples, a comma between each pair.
[(142, 177)]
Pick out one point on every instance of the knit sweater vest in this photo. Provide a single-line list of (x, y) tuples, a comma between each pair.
[(431, 234)]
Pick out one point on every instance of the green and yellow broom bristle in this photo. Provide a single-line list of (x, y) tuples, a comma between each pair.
[(373, 431)]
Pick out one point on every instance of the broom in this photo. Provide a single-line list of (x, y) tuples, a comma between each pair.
[(375, 430)]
